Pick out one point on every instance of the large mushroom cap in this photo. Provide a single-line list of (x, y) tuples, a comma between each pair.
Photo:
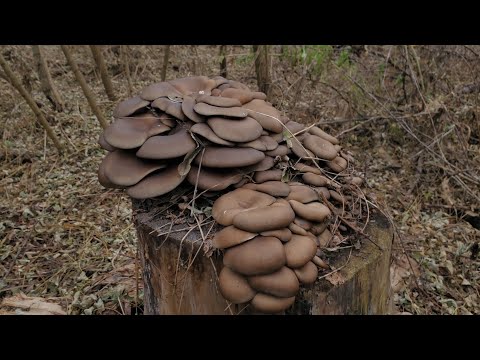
[(268, 175), (271, 304), (282, 283), (219, 101), (187, 108), (283, 235), (221, 157), (243, 96), (194, 85), (172, 107), (315, 180), (227, 206), (302, 193), (322, 148), (264, 218), (307, 274), (163, 89), (157, 184), (209, 110), (234, 287), (266, 115), (125, 169), (205, 131), (130, 106), (320, 133), (243, 130), (299, 250), (338, 164), (209, 179), (274, 188), (231, 236), (167, 147), (104, 144), (261, 255), (314, 211)]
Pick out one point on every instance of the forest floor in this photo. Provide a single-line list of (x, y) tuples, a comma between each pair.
[(410, 114)]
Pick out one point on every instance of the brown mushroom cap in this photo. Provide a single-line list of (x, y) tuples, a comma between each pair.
[(125, 169), (265, 164), (130, 133), (219, 101), (322, 190), (324, 238), (267, 175), (283, 235), (194, 85), (205, 131), (209, 110), (307, 168), (302, 193), (242, 95), (281, 150), (304, 224), (227, 206), (261, 255), (221, 157), (264, 218), (256, 144), (157, 184), (234, 287), (171, 107), (300, 150), (294, 127), (157, 90), (274, 188), (104, 181), (130, 106), (231, 236), (266, 115), (282, 283), (307, 274), (213, 180), (167, 147), (187, 108), (318, 228), (320, 147), (104, 144), (295, 229), (355, 180), (269, 142), (314, 211), (299, 250), (243, 130), (337, 197), (271, 304), (320, 133), (315, 180), (338, 164)]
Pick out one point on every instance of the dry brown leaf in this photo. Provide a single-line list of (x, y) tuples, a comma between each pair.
[(446, 192), (33, 305), (335, 278), (400, 270)]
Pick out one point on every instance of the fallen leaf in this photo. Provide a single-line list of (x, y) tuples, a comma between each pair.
[(34, 305)]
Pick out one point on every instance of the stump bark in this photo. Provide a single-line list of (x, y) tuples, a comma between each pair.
[(180, 279)]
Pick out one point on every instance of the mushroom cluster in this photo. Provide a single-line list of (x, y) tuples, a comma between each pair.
[(277, 178)]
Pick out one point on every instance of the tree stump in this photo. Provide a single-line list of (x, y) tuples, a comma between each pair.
[(180, 279)]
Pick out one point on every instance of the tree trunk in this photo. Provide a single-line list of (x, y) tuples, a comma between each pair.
[(262, 67), (46, 82), (166, 56), (223, 60), (180, 279), (124, 53), (102, 68), (83, 84), (33, 105)]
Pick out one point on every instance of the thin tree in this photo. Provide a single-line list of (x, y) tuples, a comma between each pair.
[(262, 67), (33, 105), (166, 55), (83, 84), (46, 82), (223, 60), (124, 55), (102, 68)]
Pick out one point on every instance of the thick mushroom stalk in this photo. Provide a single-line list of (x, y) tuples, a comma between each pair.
[(280, 182)]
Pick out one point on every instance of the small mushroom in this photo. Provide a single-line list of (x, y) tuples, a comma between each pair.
[(243, 130), (231, 236), (318, 228), (167, 147), (261, 255), (314, 211), (338, 164), (205, 131), (302, 193), (130, 106), (304, 224), (337, 197), (170, 107), (209, 110), (320, 147), (322, 190), (283, 235), (157, 184), (307, 274), (299, 250), (281, 150), (266, 115), (219, 101), (300, 150), (221, 157), (281, 283), (227, 206), (256, 144), (307, 168), (274, 188), (320, 133), (234, 287), (213, 180), (266, 164), (315, 180), (324, 238), (242, 95), (187, 108), (264, 218), (163, 89), (269, 142), (271, 304), (267, 175), (295, 229), (294, 127)]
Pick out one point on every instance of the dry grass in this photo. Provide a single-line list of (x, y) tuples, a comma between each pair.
[(410, 114)]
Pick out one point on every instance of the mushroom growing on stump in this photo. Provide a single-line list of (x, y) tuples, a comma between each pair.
[(273, 176)]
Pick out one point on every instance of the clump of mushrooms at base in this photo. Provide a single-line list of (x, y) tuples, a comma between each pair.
[(278, 182)]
